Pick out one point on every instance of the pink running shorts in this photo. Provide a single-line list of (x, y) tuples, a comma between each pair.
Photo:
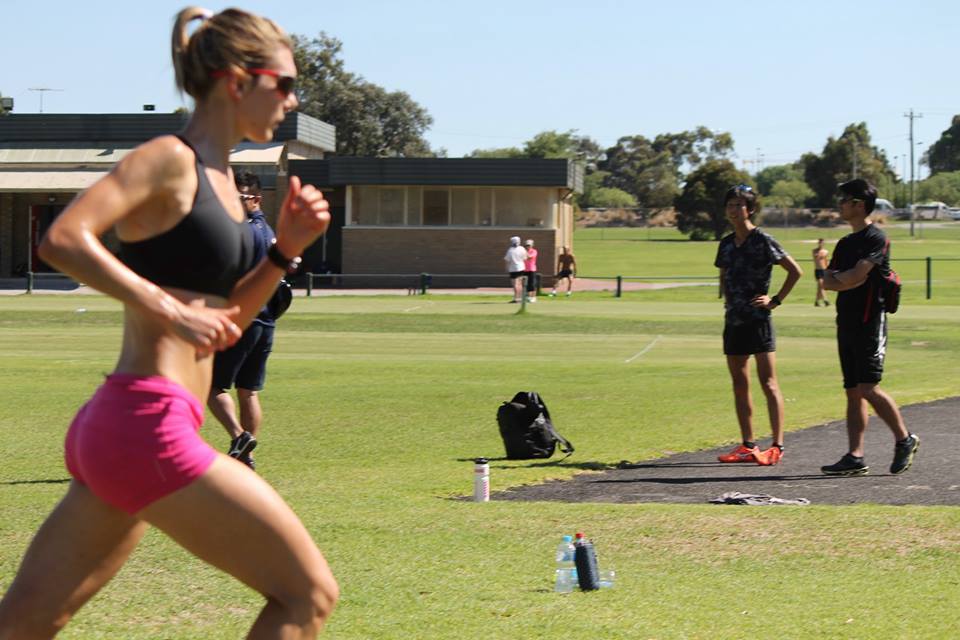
[(137, 441)]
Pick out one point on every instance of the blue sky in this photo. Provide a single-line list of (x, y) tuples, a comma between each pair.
[(779, 76)]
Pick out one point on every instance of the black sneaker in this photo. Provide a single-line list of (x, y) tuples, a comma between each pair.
[(847, 466), (903, 454), (242, 445), (247, 460)]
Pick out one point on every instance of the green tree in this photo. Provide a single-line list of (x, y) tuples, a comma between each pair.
[(370, 120), (549, 144), (635, 166), (942, 187), (611, 198), (653, 170), (690, 149), (835, 164), (944, 154), (789, 193), (769, 176), (700, 212), (503, 152)]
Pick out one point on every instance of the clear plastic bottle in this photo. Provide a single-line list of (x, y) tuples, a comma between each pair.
[(566, 572)]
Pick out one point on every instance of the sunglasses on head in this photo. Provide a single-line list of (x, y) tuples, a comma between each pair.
[(247, 197), (743, 188), (285, 84)]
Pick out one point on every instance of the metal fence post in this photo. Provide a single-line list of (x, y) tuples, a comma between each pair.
[(929, 277), (309, 284), (29, 281), (619, 286)]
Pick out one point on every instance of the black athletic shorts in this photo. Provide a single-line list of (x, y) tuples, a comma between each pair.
[(750, 338), (818, 274), (564, 273), (517, 274), (245, 363), (862, 350)]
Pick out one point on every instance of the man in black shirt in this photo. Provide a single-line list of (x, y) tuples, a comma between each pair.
[(860, 261)]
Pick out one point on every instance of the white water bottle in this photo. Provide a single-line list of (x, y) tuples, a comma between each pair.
[(481, 480), (566, 572)]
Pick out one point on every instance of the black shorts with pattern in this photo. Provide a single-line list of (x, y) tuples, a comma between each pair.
[(749, 338)]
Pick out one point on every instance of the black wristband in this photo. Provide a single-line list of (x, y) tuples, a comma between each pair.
[(775, 298), (289, 265)]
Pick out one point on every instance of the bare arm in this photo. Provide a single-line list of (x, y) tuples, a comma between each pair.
[(304, 216), (849, 279), (150, 178), (793, 275)]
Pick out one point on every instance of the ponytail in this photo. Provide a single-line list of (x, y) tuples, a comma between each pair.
[(231, 39)]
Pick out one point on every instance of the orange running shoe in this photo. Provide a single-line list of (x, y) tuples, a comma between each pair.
[(770, 457), (741, 454)]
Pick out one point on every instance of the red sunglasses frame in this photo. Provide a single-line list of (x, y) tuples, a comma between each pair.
[(285, 84)]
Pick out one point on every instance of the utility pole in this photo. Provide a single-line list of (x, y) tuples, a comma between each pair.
[(912, 116), (854, 142), (41, 91)]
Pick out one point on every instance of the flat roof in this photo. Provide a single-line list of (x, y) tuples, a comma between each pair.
[(501, 172), (140, 127)]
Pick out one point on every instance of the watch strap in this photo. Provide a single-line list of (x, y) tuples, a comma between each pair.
[(289, 265)]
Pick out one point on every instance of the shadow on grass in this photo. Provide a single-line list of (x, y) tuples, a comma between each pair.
[(50, 481), (716, 479), (560, 462)]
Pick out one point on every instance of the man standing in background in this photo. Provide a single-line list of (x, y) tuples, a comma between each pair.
[(245, 363)]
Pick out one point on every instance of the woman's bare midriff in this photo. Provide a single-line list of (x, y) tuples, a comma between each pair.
[(151, 349)]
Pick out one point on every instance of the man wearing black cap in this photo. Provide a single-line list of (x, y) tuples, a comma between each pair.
[(859, 263)]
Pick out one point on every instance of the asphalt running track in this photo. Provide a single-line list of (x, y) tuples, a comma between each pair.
[(696, 478)]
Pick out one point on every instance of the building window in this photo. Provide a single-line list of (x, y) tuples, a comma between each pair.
[(436, 207), (459, 206), (392, 206), (463, 206), (522, 207), (414, 198)]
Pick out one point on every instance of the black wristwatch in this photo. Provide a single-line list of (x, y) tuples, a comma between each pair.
[(776, 299), (289, 265)]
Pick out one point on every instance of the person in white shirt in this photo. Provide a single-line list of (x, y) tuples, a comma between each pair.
[(515, 258)]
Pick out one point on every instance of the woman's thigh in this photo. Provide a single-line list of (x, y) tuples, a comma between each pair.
[(231, 518), (80, 546)]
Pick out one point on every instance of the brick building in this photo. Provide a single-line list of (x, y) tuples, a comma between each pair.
[(451, 217)]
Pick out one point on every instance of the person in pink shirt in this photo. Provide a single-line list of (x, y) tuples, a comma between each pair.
[(530, 269)]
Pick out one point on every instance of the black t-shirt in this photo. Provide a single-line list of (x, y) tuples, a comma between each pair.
[(747, 273), (856, 307)]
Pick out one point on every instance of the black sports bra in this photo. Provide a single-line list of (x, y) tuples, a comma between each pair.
[(207, 251)]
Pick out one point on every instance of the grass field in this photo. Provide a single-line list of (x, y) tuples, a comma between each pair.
[(374, 406)]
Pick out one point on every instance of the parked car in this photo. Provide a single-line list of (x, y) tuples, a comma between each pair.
[(955, 213), (884, 206), (931, 211)]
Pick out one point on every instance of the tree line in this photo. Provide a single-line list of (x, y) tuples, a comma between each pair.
[(688, 171)]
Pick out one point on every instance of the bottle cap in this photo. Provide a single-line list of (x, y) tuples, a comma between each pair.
[(568, 538), (481, 460), (579, 536)]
